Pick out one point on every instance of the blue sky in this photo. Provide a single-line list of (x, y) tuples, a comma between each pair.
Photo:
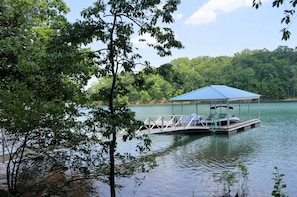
[(215, 28)]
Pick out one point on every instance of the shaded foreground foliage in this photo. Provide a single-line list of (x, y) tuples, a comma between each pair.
[(52, 146), (41, 78), (273, 74)]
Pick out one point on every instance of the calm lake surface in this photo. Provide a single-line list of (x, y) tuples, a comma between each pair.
[(187, 163)]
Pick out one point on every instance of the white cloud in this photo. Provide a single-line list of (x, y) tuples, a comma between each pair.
[(209, 11)]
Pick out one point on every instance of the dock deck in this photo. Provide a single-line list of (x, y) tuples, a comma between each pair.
[(240, 126), (194, 126)]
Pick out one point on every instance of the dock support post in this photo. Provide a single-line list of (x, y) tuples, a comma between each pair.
[(228, 112), (197, 112), (240, 110), (249, 110), (259, 113), (182, 108)]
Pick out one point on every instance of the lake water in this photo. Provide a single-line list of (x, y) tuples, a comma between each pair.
[(187, 163)]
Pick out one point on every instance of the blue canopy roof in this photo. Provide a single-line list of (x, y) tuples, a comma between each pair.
[(216, 93)]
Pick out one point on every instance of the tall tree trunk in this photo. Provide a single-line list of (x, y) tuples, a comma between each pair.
[(112, 166)]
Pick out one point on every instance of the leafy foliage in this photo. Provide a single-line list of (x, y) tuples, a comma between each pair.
[(279, 184), (228, 179)]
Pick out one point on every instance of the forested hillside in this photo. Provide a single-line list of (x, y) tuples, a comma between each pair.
[(273, 74)]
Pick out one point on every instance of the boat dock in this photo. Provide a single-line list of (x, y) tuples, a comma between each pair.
[(221, 121), (180, 124)]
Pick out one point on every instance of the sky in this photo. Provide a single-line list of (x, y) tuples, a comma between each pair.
[(215, 28)]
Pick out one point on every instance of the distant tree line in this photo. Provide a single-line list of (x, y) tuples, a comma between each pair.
[(273, 74)]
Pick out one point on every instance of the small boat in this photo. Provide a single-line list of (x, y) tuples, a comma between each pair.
[(222, 117), (192, 120)]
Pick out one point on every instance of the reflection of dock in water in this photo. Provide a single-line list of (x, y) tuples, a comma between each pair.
[(193, 125)]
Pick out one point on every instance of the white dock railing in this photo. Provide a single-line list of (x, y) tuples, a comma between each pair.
[(167, 122)]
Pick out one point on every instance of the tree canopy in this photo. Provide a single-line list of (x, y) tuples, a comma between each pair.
[(42, 78)]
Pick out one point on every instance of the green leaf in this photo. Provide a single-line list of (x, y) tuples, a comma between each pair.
[(277, 3), (286, 34)]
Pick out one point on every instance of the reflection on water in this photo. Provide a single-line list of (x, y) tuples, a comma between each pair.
[(187, 162), (219, 151)]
